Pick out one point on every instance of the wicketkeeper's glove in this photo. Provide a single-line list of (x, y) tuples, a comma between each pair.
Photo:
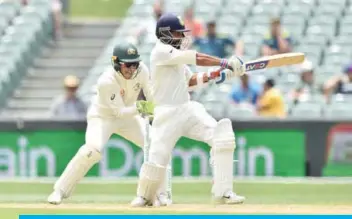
[(145, 107)]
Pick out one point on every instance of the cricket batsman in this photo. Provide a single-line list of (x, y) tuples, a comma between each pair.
[(175, 115), (114, 109)]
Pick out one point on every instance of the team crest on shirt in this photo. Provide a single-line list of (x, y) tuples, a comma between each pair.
[(137, 86), (122, 92)]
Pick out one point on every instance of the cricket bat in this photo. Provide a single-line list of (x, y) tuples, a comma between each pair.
[(275, 61)]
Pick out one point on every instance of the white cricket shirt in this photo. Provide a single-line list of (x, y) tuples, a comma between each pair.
[(170, 74), (116, 96)]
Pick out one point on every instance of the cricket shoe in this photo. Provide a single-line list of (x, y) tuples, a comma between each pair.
[(142, 202), (55, 198), (164, 199), (230, 198)]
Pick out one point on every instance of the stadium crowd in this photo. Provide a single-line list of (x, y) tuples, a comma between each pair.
[(263, 94)]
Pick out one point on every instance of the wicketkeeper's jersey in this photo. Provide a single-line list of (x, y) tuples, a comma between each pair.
[(115, 94)]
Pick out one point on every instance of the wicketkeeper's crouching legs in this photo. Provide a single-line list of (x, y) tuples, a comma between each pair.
[(77, 168)]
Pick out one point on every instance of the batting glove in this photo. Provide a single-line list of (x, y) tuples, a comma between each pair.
[(145, 107), (235, 64), (221, 75)]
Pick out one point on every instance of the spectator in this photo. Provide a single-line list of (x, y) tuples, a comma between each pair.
[(148, 28), (247, 92), (271, 103), (57, 18), (193, 24), (69, 105), (216, 45), (341, 84), (307, 87), (277, 40)]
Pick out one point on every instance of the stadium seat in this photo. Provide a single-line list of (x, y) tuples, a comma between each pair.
[(338, 50), (238, 112), (259, 20), (266, 10), (324, 19), (305, 2), (346, 20), (313, 99), (9, 9), (338, 110), (324, 30), (215, 109), (345, 31), (333, 2), (292, 19), (280, 3), (140, 11), (311, 50), (230, 20), (341, 99), (231, 3), (299, 10), (334, 10), (336, 59), (320, 40), (228, 30), (241, 10), (255, 30), (288, 79), (306, 110)]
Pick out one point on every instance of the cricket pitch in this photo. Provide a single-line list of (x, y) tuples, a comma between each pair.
[(182, 209)]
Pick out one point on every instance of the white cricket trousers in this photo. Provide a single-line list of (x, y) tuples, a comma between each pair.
[(99, 130), (172, 122)]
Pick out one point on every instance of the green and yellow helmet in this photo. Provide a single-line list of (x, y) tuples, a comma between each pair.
[(125, 53)]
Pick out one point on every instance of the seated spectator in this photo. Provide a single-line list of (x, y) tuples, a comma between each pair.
[(216, 45), (69, 105), (196, 27), (307, 86), (341, 84), (247, 92), (271, 102), (276, 41)]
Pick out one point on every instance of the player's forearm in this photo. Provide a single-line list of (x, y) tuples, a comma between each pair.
[(239, 48), (206, 60), (126, 111), (199, 79)]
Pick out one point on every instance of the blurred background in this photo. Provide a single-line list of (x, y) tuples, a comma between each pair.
[(290, 121)]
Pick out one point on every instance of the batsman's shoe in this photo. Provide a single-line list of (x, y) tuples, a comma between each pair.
[(142, 202), (55, 198), (164, 199), (230, 198)]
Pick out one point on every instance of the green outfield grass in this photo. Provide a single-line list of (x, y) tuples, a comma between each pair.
[(189, 197), (99, 8)]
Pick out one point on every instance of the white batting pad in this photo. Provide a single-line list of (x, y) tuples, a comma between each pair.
[(222, 157), (76, 170), (150, 178), (166, 184)]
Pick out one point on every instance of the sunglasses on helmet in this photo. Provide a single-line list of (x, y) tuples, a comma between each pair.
[(131, 64)]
